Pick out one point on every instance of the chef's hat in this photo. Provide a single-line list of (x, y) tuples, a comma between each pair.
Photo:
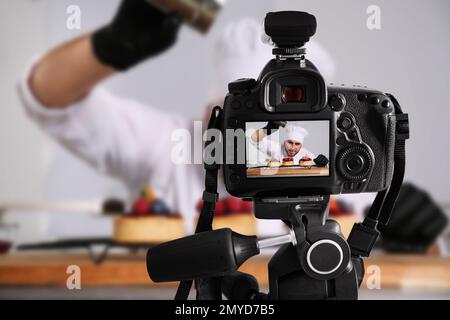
[(239, 52), (295, 133)]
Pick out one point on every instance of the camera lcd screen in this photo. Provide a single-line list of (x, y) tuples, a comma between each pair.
[(287, 149)]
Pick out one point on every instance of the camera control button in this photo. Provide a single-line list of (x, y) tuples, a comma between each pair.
[(337, 102), (345, 123), (249, 104), (353, 186), (355, 163), (353, 135), (374, 100), (348, 186), (362, 97), (386, 104), (341, 141), (236, 104)]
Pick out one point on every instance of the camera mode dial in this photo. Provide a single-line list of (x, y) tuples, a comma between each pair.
[(355, 162)]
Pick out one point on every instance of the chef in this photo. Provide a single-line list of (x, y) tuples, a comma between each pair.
[(287, 143), (62, 93)]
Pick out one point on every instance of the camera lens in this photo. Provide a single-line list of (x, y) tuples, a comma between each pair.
[(292, 94)]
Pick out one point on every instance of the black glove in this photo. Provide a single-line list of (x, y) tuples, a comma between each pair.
[(416, 222), (321, 161), (137, 32), (273, 126)]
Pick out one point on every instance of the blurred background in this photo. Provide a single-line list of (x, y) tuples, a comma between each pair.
[(48, 196)]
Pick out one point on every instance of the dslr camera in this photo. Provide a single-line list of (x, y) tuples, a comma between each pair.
[(353, 127), (302, 142)]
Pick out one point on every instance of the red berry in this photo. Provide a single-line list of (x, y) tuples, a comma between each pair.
[(247, 207), (141, 208), (233, 205), (220, 208)]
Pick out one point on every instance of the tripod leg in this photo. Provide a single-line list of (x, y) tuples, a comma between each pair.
[(346, 286), (358, 264), (240, 286), (209, 289)]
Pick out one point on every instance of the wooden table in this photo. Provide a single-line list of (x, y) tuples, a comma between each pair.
[(287, 171), (49, 269)]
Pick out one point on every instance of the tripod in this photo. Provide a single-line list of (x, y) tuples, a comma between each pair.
[(314, 261)]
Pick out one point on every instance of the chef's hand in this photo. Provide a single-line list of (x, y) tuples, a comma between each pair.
[(417, 222), (273, 126), (138, 31), (321, 161)]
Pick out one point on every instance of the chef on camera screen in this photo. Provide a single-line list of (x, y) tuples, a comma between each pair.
[(287, 148)]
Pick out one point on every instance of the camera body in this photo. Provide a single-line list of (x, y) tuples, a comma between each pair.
[(361, 131)]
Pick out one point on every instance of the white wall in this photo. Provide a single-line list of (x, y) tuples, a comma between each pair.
[(25, 151)]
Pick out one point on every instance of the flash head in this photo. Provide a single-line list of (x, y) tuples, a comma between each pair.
[(290, 29)]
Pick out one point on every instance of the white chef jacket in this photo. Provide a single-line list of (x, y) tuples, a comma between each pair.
[(124, 139), (130, 141)]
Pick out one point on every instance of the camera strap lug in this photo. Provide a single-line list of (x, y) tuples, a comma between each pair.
[(402, 128)]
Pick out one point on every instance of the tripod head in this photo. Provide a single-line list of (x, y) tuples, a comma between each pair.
[(216, 253)]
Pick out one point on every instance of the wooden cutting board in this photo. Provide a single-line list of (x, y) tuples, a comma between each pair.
[(284, 171)]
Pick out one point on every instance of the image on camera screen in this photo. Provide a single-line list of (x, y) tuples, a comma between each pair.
[(287, 149)]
